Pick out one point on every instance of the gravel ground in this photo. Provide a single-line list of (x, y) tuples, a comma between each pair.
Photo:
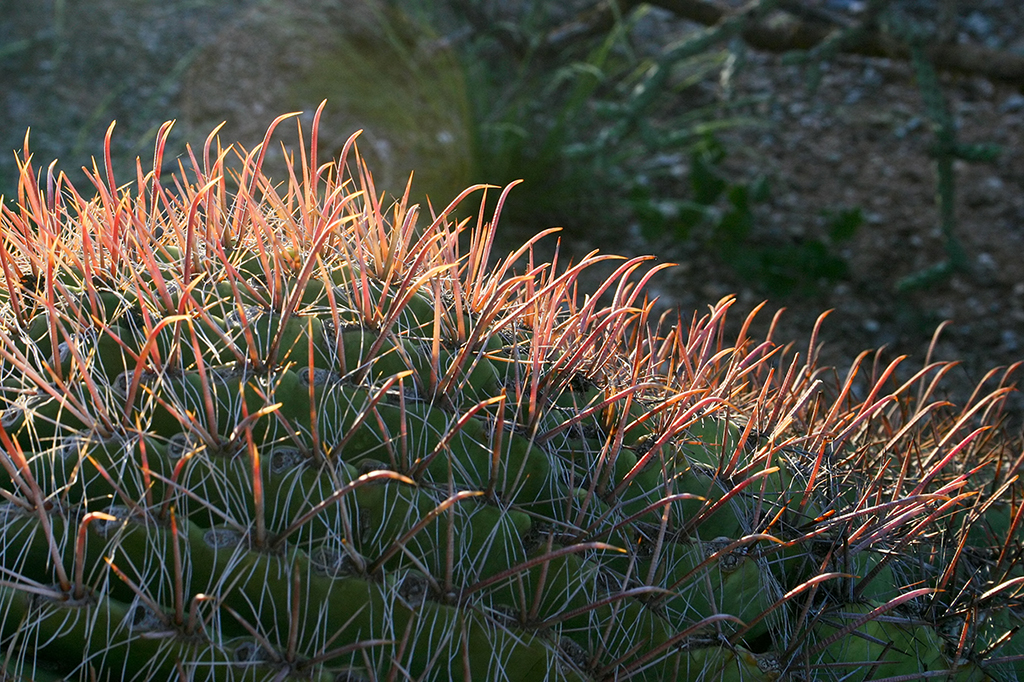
[(861, 139)]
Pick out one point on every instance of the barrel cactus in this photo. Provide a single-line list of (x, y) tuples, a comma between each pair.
[(259, 431)]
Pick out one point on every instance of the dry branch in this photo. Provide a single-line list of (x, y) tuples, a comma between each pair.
[(782, 32)]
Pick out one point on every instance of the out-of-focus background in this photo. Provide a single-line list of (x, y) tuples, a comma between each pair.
[(863, 156)]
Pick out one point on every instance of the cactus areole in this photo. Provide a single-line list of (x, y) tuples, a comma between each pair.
[(278, 430)]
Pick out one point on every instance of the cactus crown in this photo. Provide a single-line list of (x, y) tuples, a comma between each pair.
[(282, 432)]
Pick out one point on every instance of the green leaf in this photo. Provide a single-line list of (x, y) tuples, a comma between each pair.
[(843, 223), (760, 190), (737, 222), (705, 181)]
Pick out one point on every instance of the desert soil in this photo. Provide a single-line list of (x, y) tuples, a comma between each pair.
[(861, 139)]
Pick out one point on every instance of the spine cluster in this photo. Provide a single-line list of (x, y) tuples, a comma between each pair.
[(254, 431)]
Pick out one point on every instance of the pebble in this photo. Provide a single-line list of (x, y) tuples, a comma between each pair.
[(1008, 340), (872, 76), (978, 24), (852, 6), (913, 123), (1014, 102)]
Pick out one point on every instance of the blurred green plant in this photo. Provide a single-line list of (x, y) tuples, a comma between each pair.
[(885, 16), (598, 122), (536, 109), (722, 214), (945, 150)]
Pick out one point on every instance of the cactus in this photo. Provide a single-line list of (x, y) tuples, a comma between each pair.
[(271, 432)]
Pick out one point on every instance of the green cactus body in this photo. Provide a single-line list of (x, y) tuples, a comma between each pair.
[(881, 648)]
